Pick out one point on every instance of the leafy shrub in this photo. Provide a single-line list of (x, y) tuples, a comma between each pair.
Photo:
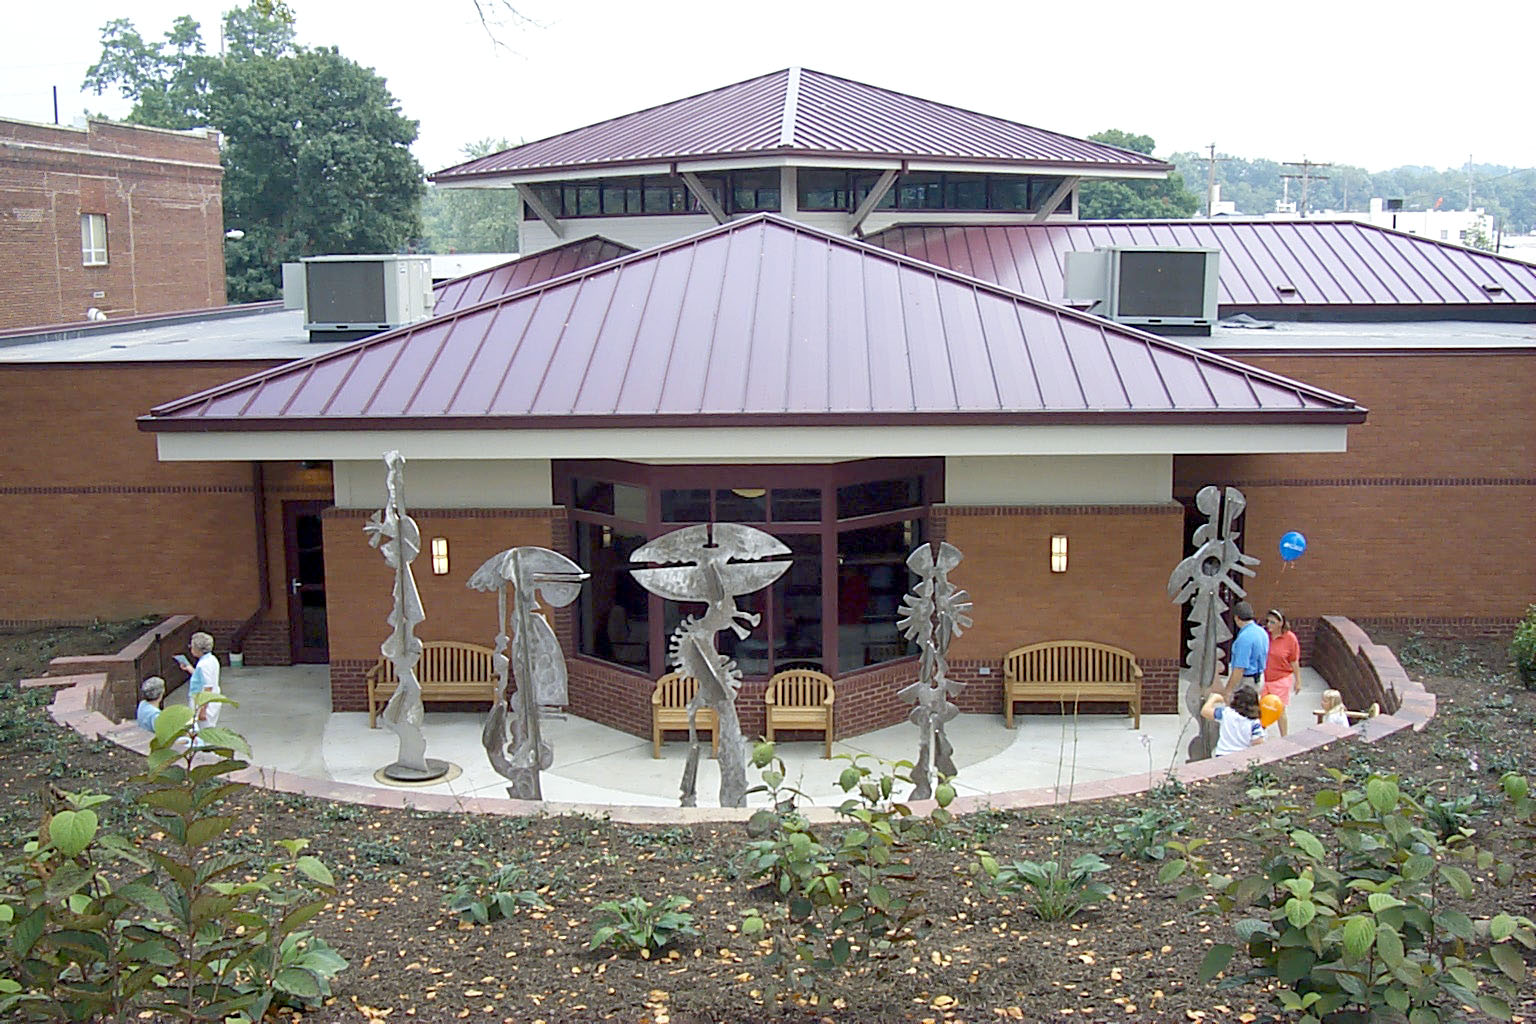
[(636, 925), (847, 896), (1144, 835), (1053, 892), (1355, 916), (95, 927), (1522, 648), (1449, 817), (494, 893)]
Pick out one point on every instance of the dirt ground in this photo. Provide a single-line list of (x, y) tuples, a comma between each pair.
[(984, 958)]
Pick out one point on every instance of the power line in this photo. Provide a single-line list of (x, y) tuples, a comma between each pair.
[(1306, 176), (1210, 181)]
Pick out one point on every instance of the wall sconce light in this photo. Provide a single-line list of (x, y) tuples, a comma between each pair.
[(439, 556), (1059, 553)]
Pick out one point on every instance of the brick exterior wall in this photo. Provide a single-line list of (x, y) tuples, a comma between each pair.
[(162, 195)]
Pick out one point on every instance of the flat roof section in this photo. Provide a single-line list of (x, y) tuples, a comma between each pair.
[(261, 331)]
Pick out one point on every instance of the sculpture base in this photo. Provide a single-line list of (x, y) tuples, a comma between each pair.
[(398, 774)]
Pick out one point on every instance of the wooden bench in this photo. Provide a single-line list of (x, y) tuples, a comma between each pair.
[(1071, 670), (800, 698), (447, 670), (669, 710)]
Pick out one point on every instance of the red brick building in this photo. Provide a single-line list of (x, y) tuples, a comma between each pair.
[(118, 218)]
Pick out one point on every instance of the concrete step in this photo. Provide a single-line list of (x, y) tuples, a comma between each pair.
[(59, 682)]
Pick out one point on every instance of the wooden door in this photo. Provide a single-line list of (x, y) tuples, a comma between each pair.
[(305, 581)]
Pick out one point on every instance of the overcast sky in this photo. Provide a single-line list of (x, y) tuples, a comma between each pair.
[(1367, 83)]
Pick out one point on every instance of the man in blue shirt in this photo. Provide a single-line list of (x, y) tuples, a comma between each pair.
[(1250, 650)]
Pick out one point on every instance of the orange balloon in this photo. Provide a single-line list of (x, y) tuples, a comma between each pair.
[(1270, 709)]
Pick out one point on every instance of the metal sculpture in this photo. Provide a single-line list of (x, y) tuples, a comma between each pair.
[(715, 564), (397, 537), (511, 736), (933, 613), (1208, 581)]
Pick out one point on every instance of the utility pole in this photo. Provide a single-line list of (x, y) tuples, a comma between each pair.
[(1306, 176), (1469, 182), (1210, 181)]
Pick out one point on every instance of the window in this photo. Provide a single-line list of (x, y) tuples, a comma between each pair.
[(836, 606), (824, 190), (93, 239), (844, 190), (754, 190)]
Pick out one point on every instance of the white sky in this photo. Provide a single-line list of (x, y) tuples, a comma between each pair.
[(1369, 83)]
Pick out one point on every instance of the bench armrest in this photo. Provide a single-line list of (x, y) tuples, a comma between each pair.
[(768, 697)]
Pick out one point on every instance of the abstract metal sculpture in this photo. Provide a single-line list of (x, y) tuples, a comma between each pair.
[(396, 536), (511, 735), (715, 564), (933, 614), (1208, 581)]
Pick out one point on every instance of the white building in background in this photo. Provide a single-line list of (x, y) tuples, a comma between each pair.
[(1438, 225)]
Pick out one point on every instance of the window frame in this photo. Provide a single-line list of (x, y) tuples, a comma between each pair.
[(827, 478), (89, 247)]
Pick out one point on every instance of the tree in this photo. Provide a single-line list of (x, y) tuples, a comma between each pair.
[(316, 152), (471, 219), (1119, 200)]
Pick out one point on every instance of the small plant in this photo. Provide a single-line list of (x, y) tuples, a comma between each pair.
[(636, 925), (1449, 817), (494, 893), (1522, 648), (1144, 835), (1053, 892), (1350, 910)]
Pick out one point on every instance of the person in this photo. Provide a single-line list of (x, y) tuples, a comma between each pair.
[(151, 693), (1333, 708), (204, 677), (1282, 669), (1238, 722), (1250, 651)]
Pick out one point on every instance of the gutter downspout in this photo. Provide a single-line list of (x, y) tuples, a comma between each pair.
[(263, 574)]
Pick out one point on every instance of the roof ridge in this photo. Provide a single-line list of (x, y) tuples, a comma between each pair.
[(791, 109)]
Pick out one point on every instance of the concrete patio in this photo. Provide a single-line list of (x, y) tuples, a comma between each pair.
[(285, 714)]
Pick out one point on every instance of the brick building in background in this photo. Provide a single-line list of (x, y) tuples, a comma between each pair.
[(119, 218)]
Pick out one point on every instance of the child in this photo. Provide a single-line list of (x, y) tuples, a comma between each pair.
[(1333, 708), (150, 693), (1239, 721)]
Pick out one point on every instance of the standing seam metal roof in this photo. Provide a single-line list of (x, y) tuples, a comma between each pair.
[(514, 275), (1324, 262), (759, 321), (799, 111)]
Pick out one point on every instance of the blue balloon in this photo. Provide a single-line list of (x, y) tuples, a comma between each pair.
[(1292, 546)]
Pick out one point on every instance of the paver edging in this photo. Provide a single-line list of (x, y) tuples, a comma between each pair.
[(73, 706)]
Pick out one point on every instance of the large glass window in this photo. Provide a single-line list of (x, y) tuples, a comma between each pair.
[(849, 528), (820, 189)]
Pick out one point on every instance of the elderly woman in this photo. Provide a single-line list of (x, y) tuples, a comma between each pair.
[(204, 677), (151, 692)]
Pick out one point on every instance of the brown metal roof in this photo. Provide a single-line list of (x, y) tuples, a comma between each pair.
[(1266, 265), (505, 278), (764, 322), (801, 112)]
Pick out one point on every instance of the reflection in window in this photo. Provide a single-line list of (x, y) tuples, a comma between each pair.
[(685, 506), (796, 626), (796, 504), (741, 505), (612, 614), (879, 496), (872, 576)]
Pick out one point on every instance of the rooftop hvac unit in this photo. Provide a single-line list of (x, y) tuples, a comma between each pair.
[(347, 297), (1168, 288)]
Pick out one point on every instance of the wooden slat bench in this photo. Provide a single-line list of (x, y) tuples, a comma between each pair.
[(669, 710), (1072, 671), (800, 699), (447, 670)]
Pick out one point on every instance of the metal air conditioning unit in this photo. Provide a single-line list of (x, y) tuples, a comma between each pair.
[(347, 297), (1171, 289)]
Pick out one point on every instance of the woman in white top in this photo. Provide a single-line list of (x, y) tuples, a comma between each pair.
[(204, 678)]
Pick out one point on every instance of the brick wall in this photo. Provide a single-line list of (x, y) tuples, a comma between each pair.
[(161, 193), (1363, 672), (151, 654)]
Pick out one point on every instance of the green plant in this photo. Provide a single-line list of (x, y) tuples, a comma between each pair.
[(495, 892), (1144, 835), (852, 895), (1349, 911), (636, 925), (1053, 892), (95, 927), (1522, 648), (1449, 817)]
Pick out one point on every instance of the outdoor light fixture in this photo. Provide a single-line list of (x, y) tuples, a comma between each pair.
[(1059, 553), (439, 556)]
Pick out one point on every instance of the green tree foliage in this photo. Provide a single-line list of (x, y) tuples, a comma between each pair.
[(1255, 186), (1120, 200), (471, 219), (316, 152)]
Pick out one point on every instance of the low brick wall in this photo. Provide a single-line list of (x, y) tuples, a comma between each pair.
[(149, 655), (1363, 672)]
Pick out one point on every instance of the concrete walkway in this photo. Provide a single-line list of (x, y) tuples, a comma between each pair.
[(285, 714)]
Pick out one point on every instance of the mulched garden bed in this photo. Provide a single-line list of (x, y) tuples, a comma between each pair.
[(986, 958)]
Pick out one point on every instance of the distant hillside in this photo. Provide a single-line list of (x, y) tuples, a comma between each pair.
[(1255, 186)]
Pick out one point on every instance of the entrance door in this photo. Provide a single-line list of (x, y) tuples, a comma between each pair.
[(305, 581)]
